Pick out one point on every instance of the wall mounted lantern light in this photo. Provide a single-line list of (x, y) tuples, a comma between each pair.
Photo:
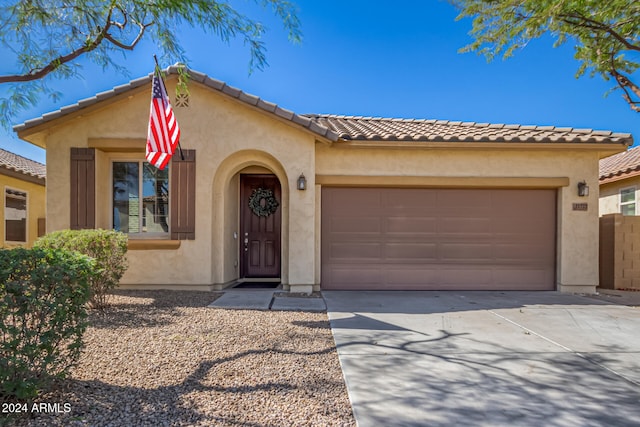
[(302, 182), (583, 189)]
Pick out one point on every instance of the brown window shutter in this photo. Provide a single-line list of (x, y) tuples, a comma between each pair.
[(182, 195), (83, 188)]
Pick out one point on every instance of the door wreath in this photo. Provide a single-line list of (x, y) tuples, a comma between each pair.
[(262, 202)]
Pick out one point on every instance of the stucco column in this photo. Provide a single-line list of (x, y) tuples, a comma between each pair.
[(302, 219), (577, 259)]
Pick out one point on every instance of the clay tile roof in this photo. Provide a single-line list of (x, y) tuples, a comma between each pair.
[(14, 162), (620, 164), (352, 128)]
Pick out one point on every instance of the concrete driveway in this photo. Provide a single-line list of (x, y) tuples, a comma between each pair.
[(487, 358)]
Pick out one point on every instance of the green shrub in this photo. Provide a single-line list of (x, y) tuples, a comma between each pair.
[(43, 298), (107, 247)]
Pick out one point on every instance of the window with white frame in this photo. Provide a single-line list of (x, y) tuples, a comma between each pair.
[(140, 199), (628, 201), (15, 215)]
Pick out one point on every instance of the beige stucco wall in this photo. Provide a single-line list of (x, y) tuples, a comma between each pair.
[(232, 138), (577, 251), (610, 195), (36, 207), (229, 137)]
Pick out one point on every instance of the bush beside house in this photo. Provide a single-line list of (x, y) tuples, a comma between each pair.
[(43, 298), (107, 247)]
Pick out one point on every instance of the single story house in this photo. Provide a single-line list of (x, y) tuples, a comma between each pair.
[(22, 182), (620, 182), (326, 201)]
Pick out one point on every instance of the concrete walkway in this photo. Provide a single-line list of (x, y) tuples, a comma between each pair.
[(487, 358), (267, 299)]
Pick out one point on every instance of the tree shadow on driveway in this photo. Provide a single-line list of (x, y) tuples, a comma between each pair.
[(487, 359)]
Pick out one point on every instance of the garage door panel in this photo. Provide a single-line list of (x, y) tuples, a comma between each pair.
[(400, 251), (521, 252), (464, 225), (411, 225), (411, 277), (465, 252), (511, 226), (407, 200), (405, 277), (458, 199), (353, 224), (359, 277), (389, 238), (519, 202), (349, 252), (360, 198), (466, 276), (523, 239)]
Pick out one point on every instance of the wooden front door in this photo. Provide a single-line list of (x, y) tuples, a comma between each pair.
[(260, 217)]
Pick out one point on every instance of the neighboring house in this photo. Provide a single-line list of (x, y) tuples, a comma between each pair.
[(325, 201), (620, 182), (620, 220), (22, 214)]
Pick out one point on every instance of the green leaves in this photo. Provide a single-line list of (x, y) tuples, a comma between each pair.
[(107, 247), (606, 34), (43, 295), (47, 37)]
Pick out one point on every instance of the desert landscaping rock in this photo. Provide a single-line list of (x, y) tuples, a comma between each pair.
[(163, 358)]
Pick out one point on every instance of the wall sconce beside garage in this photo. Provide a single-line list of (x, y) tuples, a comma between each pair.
[(583, 189)]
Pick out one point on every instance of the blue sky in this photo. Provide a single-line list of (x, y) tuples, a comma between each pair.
[(367, 58)]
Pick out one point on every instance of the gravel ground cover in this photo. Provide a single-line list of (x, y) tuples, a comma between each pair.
[(163, 358)]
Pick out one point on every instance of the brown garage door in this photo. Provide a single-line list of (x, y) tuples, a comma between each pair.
[(438, 239)]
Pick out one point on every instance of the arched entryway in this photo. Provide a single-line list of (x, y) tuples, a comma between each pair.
[(228, 203)]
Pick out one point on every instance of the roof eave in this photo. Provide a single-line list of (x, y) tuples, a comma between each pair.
[(605, 148), (14, 173), (619, 176), (30, 128)]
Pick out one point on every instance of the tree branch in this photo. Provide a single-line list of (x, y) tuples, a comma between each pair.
[(133, 44), (54, 64), (625, 84), (583, 21), (123, 24), (102, 35)]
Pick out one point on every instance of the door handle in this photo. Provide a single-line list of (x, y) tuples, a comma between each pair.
[(246, 244)]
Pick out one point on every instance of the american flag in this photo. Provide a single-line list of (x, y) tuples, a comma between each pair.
[(164, 134)]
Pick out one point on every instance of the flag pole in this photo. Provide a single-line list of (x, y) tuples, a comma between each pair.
[(158, 70)]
